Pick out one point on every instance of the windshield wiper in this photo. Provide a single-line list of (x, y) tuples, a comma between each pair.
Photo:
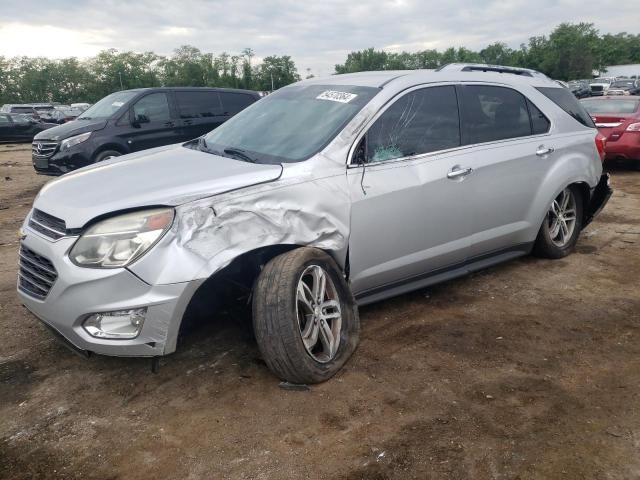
[(236, 152), (84, 118)]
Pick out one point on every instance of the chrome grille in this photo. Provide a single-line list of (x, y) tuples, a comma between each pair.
[(43, 148), (36, 275), (48, 225)]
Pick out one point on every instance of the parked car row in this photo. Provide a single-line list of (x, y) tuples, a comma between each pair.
[(603, 86), (133, 120), (325, 195), (17, 127)]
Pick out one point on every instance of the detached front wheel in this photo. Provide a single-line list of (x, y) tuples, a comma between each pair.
[(304, 316)]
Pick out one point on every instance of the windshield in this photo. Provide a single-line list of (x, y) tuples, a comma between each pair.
[(611, 106), (601, 80), (628, 83), (289, 125), (109, 105)]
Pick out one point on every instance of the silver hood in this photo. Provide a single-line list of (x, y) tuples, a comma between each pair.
[(163, 176)]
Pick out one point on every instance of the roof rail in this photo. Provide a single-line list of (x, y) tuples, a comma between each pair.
[(481, 67)]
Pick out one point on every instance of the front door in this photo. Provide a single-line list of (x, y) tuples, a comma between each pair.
[(152, 123), (410, 207)]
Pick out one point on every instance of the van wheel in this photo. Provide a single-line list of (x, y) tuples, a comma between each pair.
[(561, 227), (106, 155), (304, 316)]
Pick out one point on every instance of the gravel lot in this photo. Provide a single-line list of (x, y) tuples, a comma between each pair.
[(527, 370)]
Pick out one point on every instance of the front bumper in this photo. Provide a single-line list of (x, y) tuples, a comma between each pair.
[(78, 292), (60, 162), (599, 198)]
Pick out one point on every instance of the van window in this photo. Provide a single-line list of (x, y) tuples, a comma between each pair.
[(198, 104), (421, 121), (235, 102), (153, 108), (493, 113)]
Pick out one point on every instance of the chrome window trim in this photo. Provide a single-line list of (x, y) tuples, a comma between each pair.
[(364, 128)]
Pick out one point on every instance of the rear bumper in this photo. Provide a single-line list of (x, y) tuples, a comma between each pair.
[(599, 198), (625, 147)]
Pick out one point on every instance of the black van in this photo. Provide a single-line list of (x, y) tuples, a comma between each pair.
[(133, 120)]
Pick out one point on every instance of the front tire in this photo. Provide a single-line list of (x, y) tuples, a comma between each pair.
[(562, 224), (304, 316), (106, 155)]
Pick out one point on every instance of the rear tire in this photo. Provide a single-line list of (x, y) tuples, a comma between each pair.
[(304, 316), (562, 224), (106, 155)]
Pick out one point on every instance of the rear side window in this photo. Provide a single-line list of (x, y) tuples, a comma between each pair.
[(422, 121), (233, 103), (493, 113), (567, 102), (539, 123), (198, 104)]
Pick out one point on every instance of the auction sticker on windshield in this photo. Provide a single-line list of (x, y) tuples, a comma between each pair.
[(332, 95)]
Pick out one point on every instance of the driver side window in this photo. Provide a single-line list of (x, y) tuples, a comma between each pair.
[(153, 108), (420, 122)]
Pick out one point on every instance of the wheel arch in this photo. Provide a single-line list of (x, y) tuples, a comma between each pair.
[(110, 146), (235, 281)]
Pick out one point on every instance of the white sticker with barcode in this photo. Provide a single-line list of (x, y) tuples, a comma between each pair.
[(334, 96)]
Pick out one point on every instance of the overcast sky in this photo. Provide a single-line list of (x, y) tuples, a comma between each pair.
[(317, 34)]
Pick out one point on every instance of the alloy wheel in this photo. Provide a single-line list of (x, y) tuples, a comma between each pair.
[(319, 314), (562, 218)]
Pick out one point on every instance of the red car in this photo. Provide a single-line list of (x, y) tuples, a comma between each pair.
[(618, 119)]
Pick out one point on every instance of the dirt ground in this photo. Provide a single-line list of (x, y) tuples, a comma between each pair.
[(530, 370)]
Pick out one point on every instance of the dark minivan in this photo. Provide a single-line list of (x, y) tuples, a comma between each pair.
[(133, 120)]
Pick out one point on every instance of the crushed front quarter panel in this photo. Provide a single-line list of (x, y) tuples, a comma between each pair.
[(299, 209)]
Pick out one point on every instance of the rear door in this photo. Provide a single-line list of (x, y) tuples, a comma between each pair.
[(152, 123), (200, 111), (410, 210), (510, 151)]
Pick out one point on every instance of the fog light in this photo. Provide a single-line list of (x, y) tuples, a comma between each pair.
[(121, 324)]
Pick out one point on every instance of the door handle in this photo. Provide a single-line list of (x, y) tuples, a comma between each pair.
[(542, 151), (458, 172), (169, 124)]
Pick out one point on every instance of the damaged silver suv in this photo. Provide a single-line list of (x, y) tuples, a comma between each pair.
[(328, 194)]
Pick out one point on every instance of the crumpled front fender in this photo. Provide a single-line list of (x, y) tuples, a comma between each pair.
[(209, 234)]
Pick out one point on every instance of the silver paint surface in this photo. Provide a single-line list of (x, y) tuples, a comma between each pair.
[(397, 219)]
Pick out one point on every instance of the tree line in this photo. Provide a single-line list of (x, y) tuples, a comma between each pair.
[(571, 51), (67, 80)]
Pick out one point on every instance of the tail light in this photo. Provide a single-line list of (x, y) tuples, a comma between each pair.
[(634, 127), (601, 142)]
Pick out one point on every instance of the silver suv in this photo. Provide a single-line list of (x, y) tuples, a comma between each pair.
[(328, 194)]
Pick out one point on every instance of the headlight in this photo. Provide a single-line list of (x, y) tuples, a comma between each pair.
[(67, 143), (120, 240)]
